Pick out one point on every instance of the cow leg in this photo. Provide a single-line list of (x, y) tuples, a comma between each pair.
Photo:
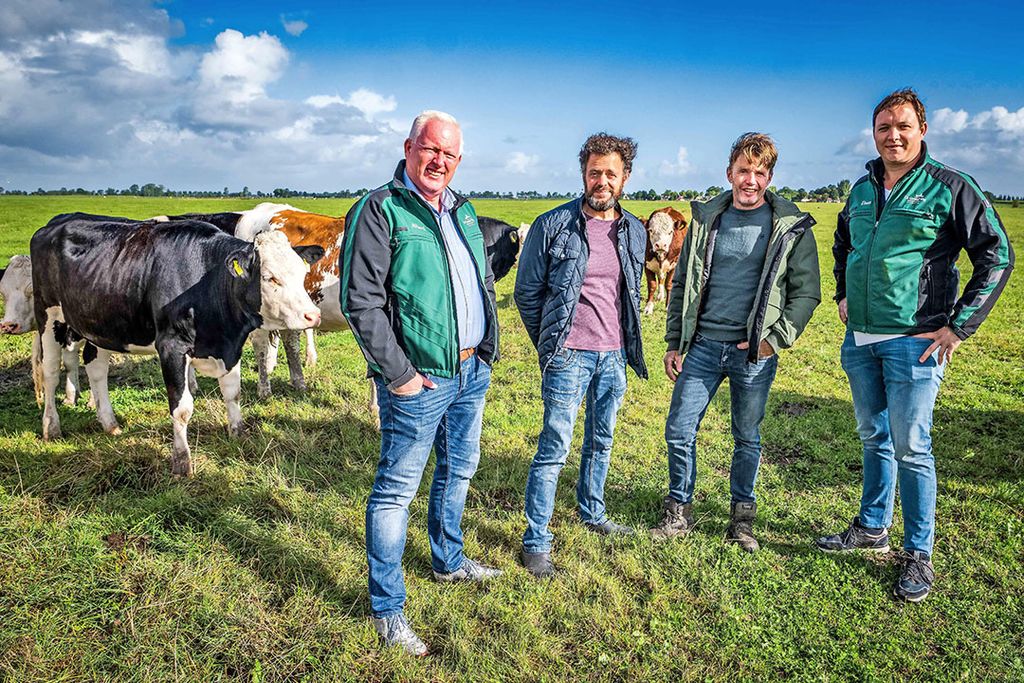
[(292, 339), (261, 347), (651, 284), (311, 356), (50, 373), (37, 368), (193, 383), (273, 346), (174, 366), (96, 368), (231, 389), (669, 274), (374, 408), (72, 385), (661, 286)]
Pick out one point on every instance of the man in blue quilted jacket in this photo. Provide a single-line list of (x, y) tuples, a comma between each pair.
[(578, 293)]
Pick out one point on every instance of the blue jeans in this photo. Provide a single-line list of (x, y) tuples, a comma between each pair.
[(600, 376), (705, 366), (893, 399), (447, 418)]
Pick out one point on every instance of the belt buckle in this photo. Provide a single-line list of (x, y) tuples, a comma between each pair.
[(466, 354)]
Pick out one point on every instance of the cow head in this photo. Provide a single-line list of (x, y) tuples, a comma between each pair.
[(284, 303), (16, 291), (660, 227)]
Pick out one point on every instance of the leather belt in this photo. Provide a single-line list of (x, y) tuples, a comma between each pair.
[(466, 354)]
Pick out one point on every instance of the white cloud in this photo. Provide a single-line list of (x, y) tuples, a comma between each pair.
[(145, 54), (294, 27), (946, 120), (239, 68), (521, 163), (681, 166), (371, 103)]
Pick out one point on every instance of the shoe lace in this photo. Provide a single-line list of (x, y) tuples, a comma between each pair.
[(917, 570)]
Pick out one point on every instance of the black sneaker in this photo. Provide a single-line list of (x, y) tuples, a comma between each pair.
[(856, 537), (916, 578)]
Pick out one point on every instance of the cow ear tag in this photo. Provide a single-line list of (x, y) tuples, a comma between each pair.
[(237, 267)]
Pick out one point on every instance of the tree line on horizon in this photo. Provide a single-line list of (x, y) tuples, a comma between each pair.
[(836, 192)]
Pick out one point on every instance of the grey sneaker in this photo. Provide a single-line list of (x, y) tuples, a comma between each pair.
[(609, 528), (538, 564), (856, 537), (676, 520), (916, 578), (395, 630), (469, 571), (741, 529)]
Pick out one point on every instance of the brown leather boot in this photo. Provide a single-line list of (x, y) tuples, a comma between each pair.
[(741, 521), (676, 520)]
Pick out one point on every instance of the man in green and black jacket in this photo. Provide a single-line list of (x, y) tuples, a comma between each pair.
[(745, 287), (418, 293), (896, 245)]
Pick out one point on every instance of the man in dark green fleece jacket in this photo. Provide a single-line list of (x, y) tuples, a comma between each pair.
[(745, 287), (895, 249)]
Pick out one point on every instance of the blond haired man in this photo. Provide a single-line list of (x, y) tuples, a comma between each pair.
[(745, 287)]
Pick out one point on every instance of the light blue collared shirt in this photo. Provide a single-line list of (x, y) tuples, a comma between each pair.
[(469, 301)]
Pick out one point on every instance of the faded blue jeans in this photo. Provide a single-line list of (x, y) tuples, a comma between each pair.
[(571, 376), (705, 366), (448, 419), (893, 399)]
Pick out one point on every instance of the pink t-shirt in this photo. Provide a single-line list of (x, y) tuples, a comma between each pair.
[(597, 323)]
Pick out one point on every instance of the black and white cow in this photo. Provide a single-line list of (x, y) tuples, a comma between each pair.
[(184, 290)]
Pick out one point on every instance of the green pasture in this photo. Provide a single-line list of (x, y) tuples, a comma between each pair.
[(255, 569)]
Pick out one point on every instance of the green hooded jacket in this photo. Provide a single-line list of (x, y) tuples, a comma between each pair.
[(789, 287)]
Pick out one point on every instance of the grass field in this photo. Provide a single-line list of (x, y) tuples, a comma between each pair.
[(255, 569)]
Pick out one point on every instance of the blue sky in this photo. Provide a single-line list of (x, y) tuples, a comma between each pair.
[(319, 95)]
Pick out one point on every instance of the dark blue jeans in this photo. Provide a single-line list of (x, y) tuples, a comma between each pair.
[(600, 377), (705, 366), (893, 398), (448, 419)]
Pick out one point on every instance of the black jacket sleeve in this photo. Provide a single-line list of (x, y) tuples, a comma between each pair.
[(531, 280), (364, 293), (984, 238)]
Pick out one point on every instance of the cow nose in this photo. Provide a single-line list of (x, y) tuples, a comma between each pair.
[(9, 328), (313, 318)]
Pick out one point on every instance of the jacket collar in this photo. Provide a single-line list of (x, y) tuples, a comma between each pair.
[(784, 212)]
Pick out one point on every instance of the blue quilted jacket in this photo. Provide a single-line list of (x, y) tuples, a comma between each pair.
[(550, 276)]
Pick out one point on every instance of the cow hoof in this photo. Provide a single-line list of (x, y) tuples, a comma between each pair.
[(299, 386), (113, 430), (311, 360), (262, 393), (70, 399), (235, 431), (649, 309), (51, 434), (92, 402), (181, 466)]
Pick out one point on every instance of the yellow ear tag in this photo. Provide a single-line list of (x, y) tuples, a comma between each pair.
[(238, 268)]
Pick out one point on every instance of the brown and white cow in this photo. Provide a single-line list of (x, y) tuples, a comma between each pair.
[(666, 229)]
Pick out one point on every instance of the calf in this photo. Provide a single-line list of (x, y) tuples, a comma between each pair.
[(185, 290), (666, 229), (16, 292)]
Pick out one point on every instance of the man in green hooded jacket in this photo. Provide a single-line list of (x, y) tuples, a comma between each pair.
[(745, 287)]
